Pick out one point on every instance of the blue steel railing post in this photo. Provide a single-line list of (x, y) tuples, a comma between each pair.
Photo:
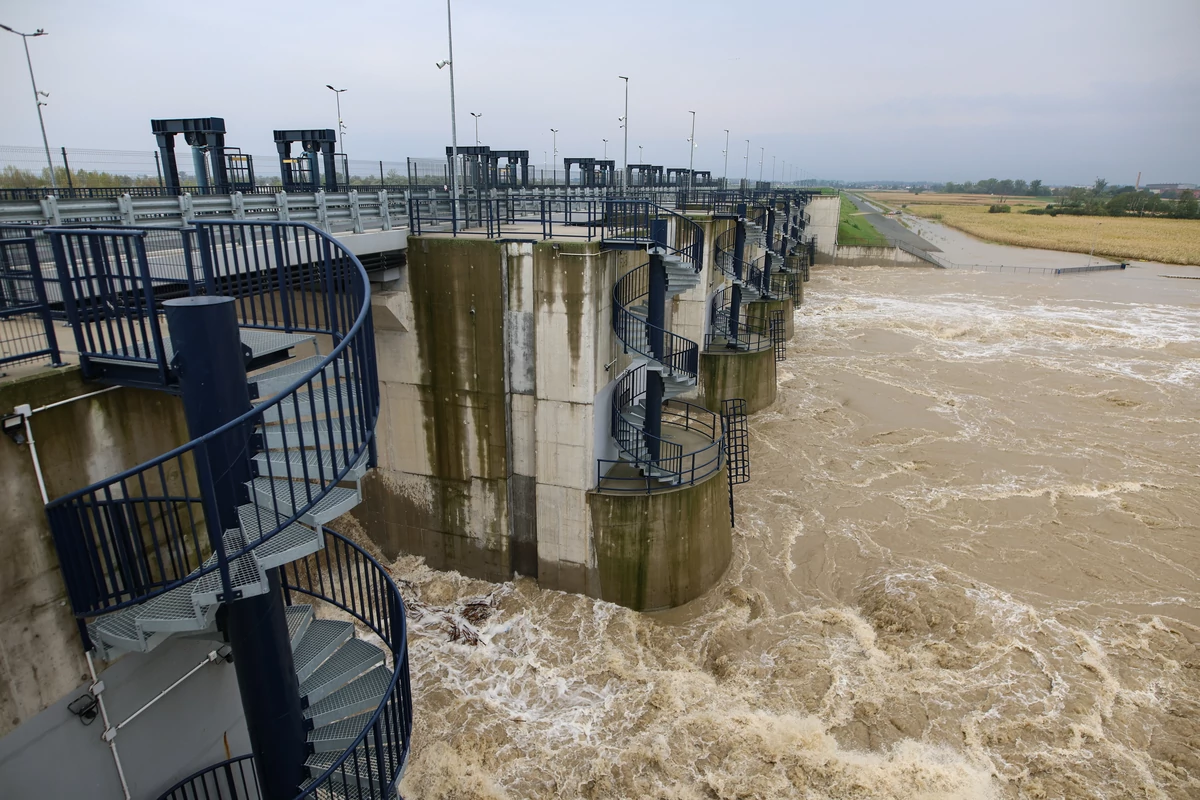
[(212, 378), (39, 293), (739, 254), (769, 256), (286, 298), (185, 236), (656, 317), (156, 339)]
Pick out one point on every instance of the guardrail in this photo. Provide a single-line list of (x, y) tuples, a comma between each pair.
[(675, 465), (140, 533), (346, 576), (26, 318)]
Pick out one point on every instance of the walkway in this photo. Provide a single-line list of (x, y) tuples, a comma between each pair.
[(891, 227)]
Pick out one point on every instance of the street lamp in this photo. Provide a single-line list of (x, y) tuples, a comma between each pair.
[(692, 150), (625, 125), (762, 154), (605, 148), (773, 169), (449, 62), (554, 145), (725, 152), (639, 154), (476, 116), (746, 158), (341, 129), (37, 96)]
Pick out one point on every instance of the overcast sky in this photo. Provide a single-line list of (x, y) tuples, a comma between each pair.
[(957, 90)]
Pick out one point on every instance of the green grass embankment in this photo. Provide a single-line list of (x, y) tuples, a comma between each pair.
[(854, 229)]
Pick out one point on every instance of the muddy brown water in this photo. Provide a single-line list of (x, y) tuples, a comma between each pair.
[(966, 567)]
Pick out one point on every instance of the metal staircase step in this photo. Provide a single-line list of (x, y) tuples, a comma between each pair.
[(332, 400), (299, 617), (321, 465), (359, 695), (264, 343), (176, 611), (360, 770), (119, 631), (352, 659), (319, 642), (341, 791), (287, 497), (338, 736), (245, 574), (270, 382), (290, 544), (319, 433)]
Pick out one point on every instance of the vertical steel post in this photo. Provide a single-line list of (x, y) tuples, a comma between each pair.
[(212, 379), (656, 304), (770, 254), (739, 253)]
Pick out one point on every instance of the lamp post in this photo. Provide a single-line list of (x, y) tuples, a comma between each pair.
[(476, 116), (1094, 238), (625, 125), (773, 169), (639, 154), (746, 176), (449, 62), (554, 146), (762, 154), (341, 129), (725, 152), (692, 151), (37, 96)]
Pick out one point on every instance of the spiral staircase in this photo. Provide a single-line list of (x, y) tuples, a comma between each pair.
[(144, 555), (667, 441)]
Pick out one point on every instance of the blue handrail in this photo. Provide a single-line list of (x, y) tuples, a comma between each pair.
[(348, 577), (115, 549)]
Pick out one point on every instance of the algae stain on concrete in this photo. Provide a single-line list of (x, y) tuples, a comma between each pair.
[(456, 288), (561, 277)]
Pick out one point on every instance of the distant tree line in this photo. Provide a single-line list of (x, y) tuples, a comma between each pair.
[(1101, 200), (15, 178), (1007, 187)]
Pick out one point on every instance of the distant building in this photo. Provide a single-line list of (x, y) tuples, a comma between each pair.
[(1161, 188)]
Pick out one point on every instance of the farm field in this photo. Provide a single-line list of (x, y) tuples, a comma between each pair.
[(1170, 241)]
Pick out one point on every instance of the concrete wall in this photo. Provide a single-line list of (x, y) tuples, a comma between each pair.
[(78, 443), (823, 211), (855, 256), (662, 550), (760, 313), (441, 488), (492, 367), (42, 664), (727, 375)]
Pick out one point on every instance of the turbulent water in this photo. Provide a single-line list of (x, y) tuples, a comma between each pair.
[(966, 567)]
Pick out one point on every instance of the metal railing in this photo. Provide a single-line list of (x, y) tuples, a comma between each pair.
[(675, 466), (750, 335), (346, 576), (678, 354), (26, 318), (726, 260), (135, 535)]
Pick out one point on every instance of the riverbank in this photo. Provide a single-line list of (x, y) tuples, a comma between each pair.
[(855, 228), (1169, 241)]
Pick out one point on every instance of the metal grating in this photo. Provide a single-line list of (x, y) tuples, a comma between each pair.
[(323, 637), (337, 736), (298, 619), (332, 401), (322, 465), (263, 342), (355, 697), (352, 659), (287, 496)]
